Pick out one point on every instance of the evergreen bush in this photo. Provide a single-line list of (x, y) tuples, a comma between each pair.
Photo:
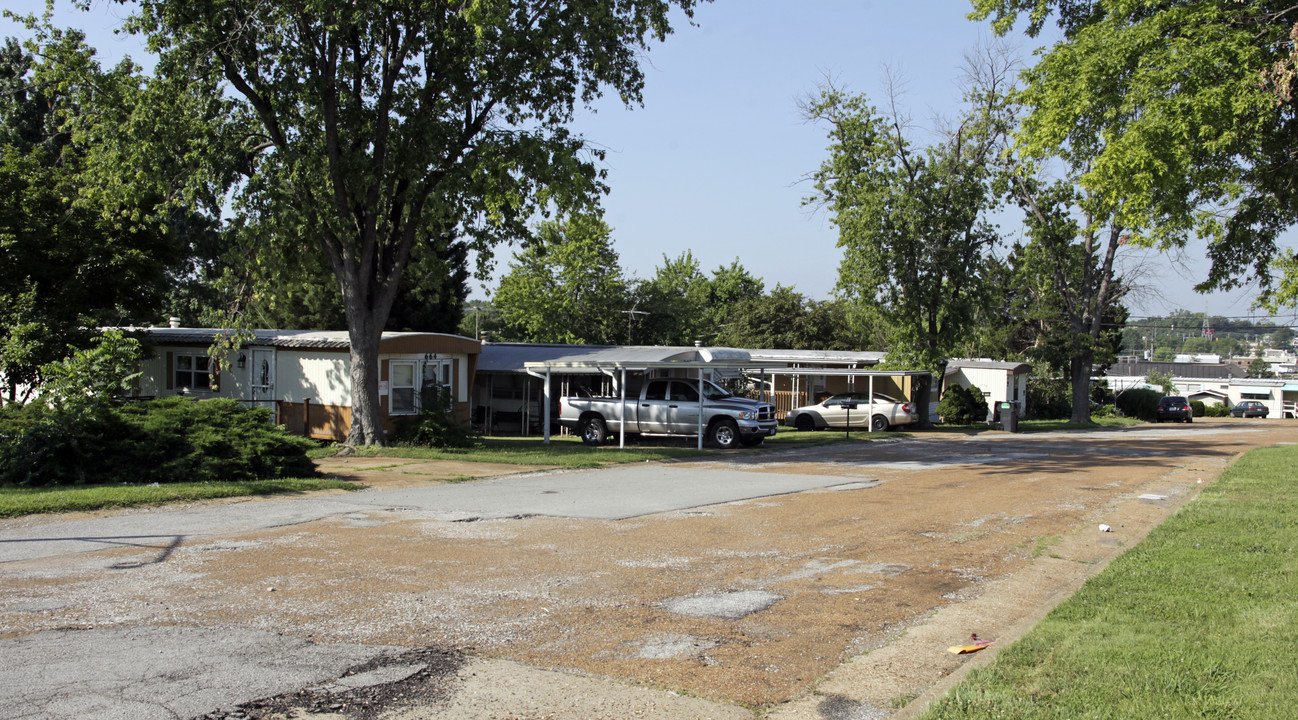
[(978, 408), (961, 406), (1196, 408), (174, 439)]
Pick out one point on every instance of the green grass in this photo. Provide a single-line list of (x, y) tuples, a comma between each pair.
[(1041, 425), (1200, 620), (15, 501), (569, 452)]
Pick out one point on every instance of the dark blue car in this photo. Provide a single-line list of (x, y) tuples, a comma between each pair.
[(1250, 408)]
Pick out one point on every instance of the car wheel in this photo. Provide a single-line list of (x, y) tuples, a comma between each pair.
[(804, 423), (1189, 419), (879, 423), (724, 434), (594, 431)]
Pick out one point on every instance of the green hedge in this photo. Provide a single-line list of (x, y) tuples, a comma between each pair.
[(1139, 403), (174, 439), (1049, 399), (1216, 410)]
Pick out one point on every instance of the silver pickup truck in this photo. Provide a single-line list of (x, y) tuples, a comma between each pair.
[(671, 406)]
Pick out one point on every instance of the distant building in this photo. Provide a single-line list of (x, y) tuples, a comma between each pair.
[(1209, 358)]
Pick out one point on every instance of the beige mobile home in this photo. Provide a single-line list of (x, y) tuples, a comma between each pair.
[(304, 376)]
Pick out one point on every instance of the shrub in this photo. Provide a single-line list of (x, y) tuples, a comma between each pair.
[(66, 448), (1049, 399), (434, 426), (960, 406), (15, 419), (1139, 403), (1100, 392), (1196, 408), (1105, 411), (1217, 410), (219, 439), (175, 439), (104, 371), (979, 407)]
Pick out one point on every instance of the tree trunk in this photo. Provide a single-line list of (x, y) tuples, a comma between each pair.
[(367, 408), (1080, 377), (364, 331)]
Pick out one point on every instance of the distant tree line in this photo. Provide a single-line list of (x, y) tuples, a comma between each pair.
[(570, 288), (1182, 332)]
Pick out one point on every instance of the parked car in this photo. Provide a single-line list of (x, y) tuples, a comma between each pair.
[(834, 412), (1250, 408), (1174, 407)]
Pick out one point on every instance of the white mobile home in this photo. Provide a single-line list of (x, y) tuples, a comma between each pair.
[(1000, 381)]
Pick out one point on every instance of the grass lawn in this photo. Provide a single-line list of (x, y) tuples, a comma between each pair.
[(568, 451), (16, 501), (1200, 620), (1027, 426)]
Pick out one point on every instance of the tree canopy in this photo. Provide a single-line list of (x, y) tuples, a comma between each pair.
[(88, 229), (913, 220), (377, 125), (1181, 114), (566, 288)]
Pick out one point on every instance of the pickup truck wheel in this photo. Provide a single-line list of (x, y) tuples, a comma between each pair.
[(594, 431), (725, 434), (879, 423), (804, 423)]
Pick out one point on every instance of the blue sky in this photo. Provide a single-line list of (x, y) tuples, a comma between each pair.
[(715, 161)]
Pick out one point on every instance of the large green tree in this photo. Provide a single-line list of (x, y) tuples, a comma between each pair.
[(383, 123), (90, 222), (683, 305), (567, 287), (1067, 284), (675, 304), (290, 285), (913, 220), (1184, 111), (786, 319)]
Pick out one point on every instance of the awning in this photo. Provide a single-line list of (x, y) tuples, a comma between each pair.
[(1289, 387)]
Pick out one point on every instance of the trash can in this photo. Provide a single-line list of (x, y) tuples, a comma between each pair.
[(1009, 417)]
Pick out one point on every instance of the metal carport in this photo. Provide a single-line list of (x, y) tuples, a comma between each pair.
[(718, 359)]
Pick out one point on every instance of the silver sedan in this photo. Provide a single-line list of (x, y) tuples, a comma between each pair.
[(838, 410)]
